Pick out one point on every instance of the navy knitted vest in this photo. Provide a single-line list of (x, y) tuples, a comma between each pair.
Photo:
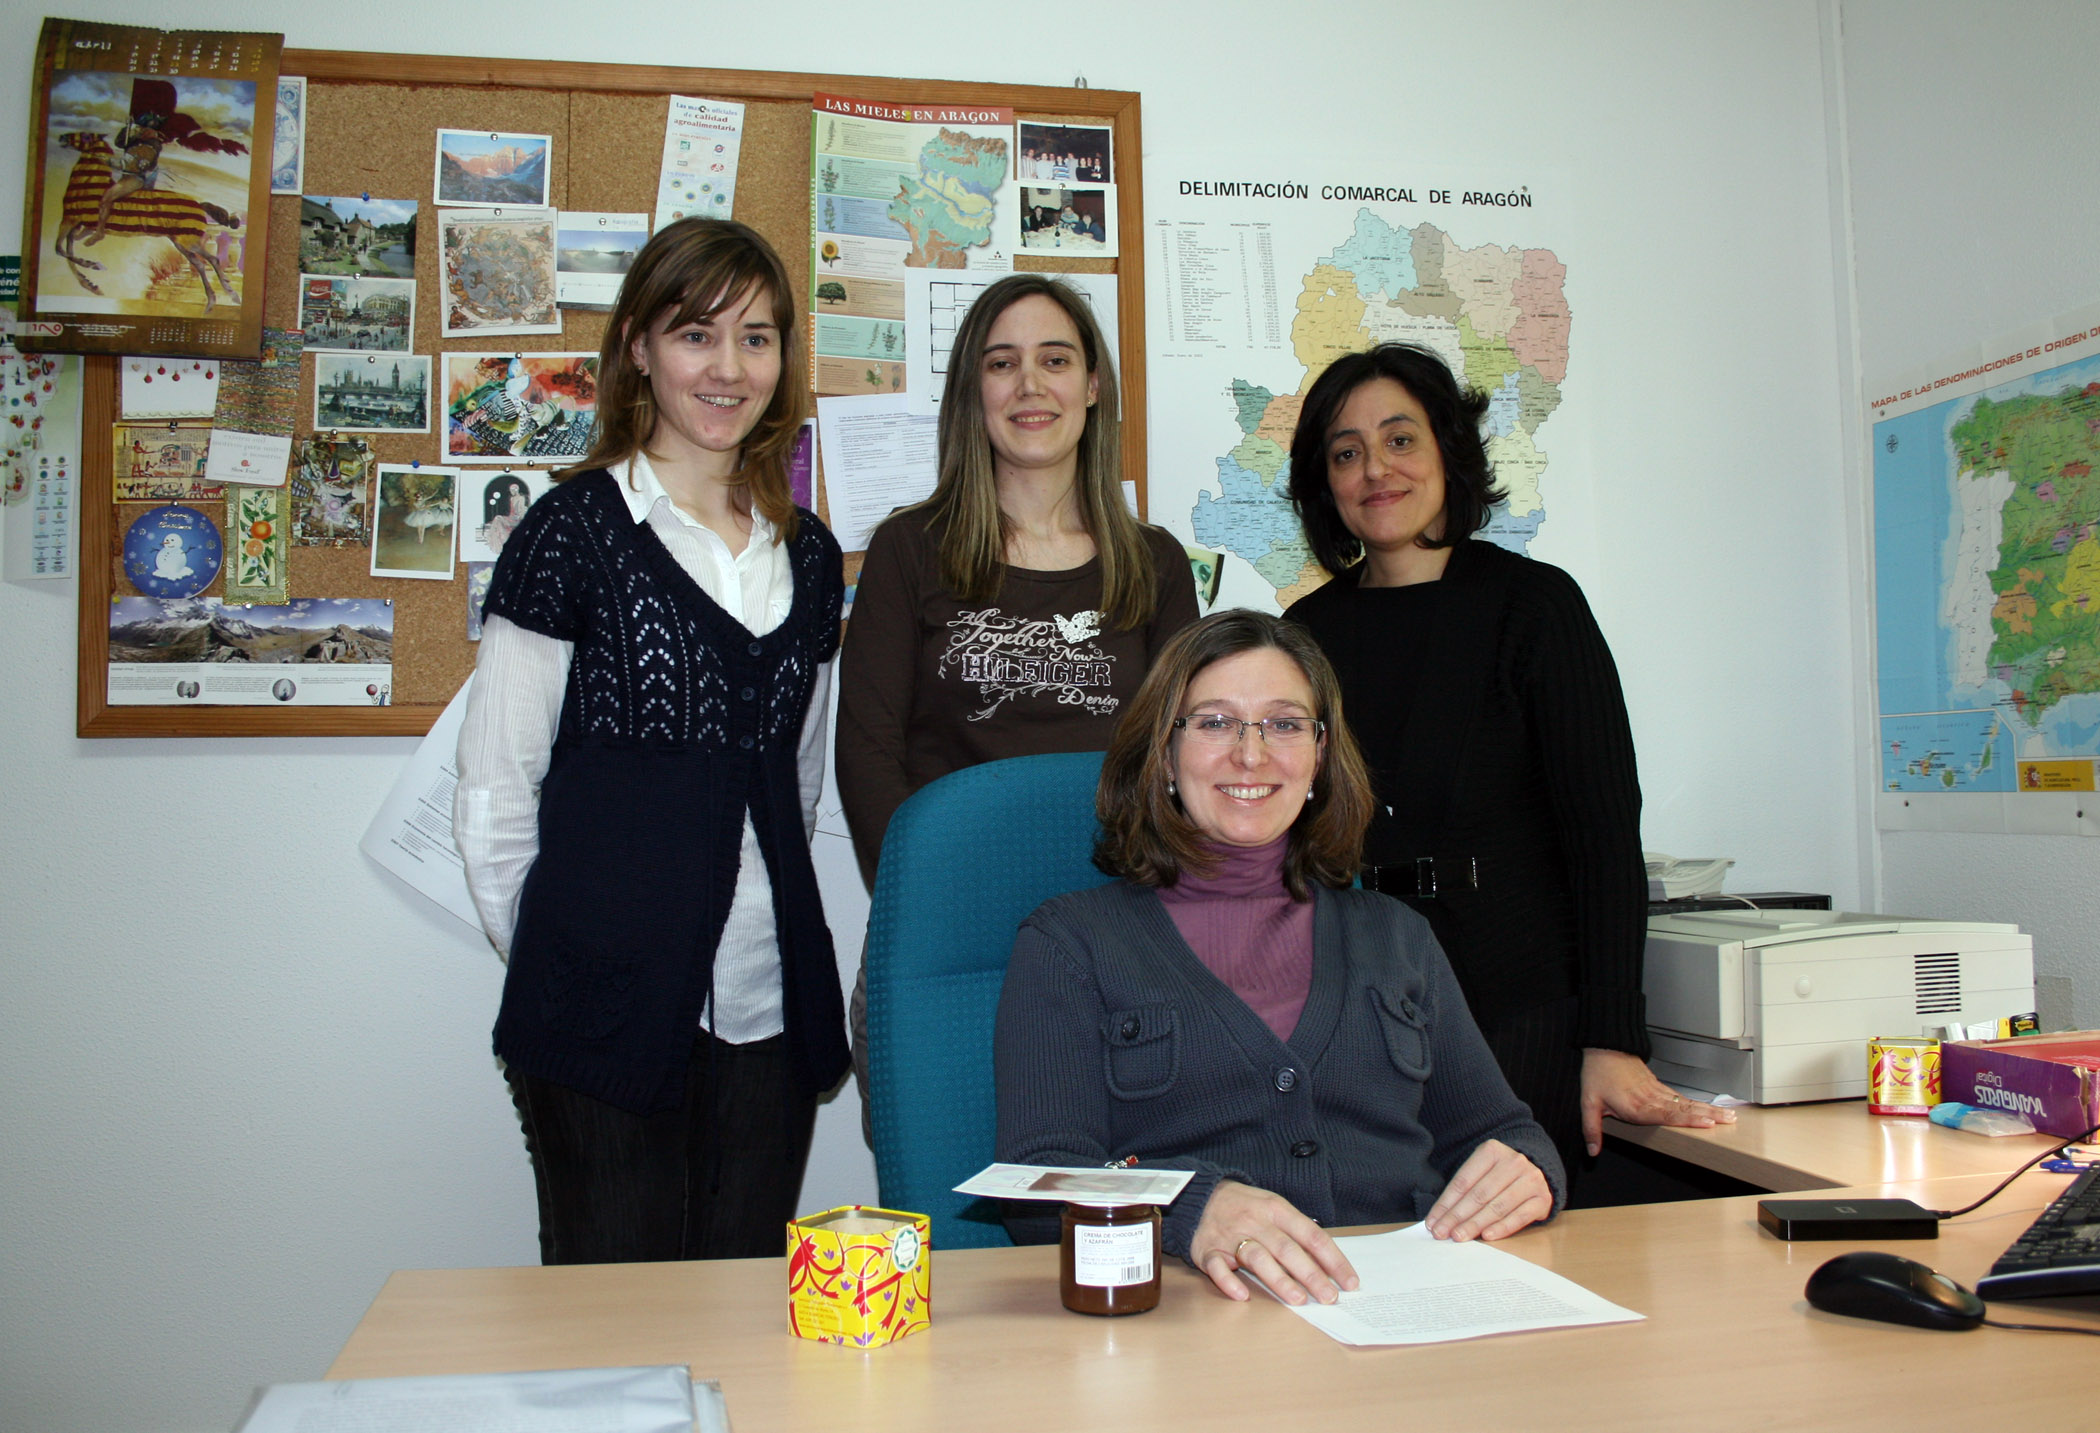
[(675, 722)]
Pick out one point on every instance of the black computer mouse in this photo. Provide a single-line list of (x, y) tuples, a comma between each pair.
[(1889, 1287)]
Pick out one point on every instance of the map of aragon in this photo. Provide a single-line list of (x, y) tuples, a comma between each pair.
[(2045, 618), (1498, 316), (948, 207)]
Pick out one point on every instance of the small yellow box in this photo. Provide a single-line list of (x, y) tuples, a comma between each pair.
[(860, 1276)]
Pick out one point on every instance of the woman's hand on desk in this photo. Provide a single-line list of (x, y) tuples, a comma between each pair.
[(1245, 1227), (1495, 1193), (1621, 1085)]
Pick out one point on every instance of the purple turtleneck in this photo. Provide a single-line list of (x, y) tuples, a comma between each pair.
[(1242, 923)]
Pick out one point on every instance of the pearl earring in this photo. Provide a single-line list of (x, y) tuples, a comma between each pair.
[(1170, 787), (1308, 794)]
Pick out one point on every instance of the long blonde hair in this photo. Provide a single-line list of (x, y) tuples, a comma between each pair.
[(689, 271), (964, 512)]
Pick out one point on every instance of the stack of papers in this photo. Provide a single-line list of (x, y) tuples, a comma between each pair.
[(664, 1399)]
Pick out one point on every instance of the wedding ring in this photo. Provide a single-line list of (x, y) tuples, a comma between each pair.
[(1236, 1251)]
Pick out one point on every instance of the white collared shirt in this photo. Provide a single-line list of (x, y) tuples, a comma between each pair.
[(514, 711)]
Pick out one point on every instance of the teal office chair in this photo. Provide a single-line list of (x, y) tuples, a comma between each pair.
[(963, 863)]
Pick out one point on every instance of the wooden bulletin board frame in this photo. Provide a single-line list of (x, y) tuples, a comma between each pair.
[(99, 534)]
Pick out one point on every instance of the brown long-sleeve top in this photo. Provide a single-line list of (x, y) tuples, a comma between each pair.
[(929, 684)]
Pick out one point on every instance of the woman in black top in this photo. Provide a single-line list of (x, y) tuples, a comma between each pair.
[(1488, 707)]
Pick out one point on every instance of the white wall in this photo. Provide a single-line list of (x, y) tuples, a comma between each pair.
[(245, 1077), (1976, 209)]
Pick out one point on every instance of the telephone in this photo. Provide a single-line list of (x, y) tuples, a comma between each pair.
[(1670, 879)]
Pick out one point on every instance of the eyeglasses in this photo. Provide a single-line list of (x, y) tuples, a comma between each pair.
[(1218, 729)]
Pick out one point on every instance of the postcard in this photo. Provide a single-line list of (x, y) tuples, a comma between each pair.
[(491, 505), (702, 139), (508, 407), (356, 315), (330, 493), (1065, 154), (375, 238), (149, 179), (492, 168), (163, 461), (1114, 1185), (39, 463), (163, 386), (478, 575), (198, 651), (255, 545), (592, 255), (412, 517), (371, 393), (288, 144), (1073, 223), (251, 436), (498, 269)]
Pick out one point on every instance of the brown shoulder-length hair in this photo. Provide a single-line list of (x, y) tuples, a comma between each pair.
[(964, 511), (1148, 838), (689, 271)]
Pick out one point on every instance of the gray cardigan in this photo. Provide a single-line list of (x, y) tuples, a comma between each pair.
[(1115, 1040)]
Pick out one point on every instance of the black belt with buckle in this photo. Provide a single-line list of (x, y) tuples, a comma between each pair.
[(1424, 877)]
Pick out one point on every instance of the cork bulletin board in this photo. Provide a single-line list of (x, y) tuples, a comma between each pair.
[(371, 123)]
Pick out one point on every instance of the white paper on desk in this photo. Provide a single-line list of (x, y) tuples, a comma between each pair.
[(935, 301), (575, 1400), (1414, 1288), (412, 834), (1113, 1185), (878, 457)]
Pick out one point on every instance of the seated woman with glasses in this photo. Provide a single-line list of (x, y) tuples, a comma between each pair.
[(1230, 1006)]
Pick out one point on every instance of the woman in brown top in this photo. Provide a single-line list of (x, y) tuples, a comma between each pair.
[(1018, 608)]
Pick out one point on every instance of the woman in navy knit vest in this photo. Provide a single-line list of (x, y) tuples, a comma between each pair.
[(639, 773)]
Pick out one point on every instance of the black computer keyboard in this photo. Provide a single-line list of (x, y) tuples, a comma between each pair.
[(2059, 1253)]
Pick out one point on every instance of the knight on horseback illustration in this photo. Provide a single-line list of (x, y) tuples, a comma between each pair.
[(114, 188)]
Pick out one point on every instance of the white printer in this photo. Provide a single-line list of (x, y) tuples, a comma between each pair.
[(1777, 1006)]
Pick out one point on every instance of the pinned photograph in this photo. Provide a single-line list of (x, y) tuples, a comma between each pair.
[(492, 167), (498, 269), (478, 576), (323, 651), (1066, 154), (344, 315), (593, 253), (372, 393), (412, 521), (1074, 223), (145, 186), (491, 507), (288, 140), (162, 461), (371, 237), (510, 407), (330, 488)]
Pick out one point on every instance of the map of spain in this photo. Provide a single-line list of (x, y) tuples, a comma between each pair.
[(1987, 559), (1498, 316)]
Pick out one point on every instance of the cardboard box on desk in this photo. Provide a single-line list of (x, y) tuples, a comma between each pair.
[(859, 1276), (2054, 1080)]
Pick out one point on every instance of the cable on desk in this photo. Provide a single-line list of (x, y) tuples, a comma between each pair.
[(2038, 1328), (2056, 1153)]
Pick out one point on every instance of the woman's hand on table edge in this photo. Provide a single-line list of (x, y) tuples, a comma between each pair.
[(1621, 1085), (1250, 1228), (1496, 1192)]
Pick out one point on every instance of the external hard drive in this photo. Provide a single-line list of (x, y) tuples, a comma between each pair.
[(1847, 1219)]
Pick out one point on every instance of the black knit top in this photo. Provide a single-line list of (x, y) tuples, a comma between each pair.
[(675, 722), (1546, 797)]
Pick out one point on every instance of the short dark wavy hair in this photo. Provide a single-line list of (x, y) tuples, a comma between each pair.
[(1148, 838), (1454, 421)]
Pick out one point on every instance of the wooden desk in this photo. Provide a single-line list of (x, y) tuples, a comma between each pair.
[(1831, 1145), (1728, 1340)]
